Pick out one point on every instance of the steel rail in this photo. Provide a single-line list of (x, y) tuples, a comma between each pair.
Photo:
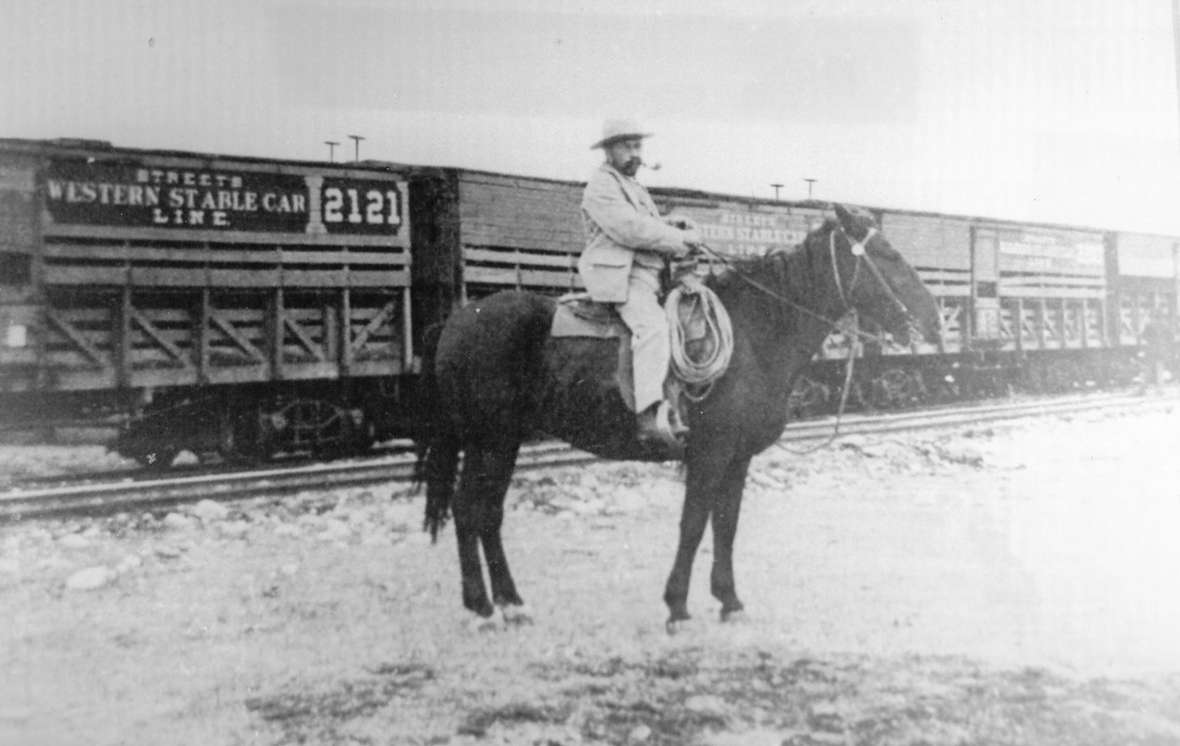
[(126, 495)]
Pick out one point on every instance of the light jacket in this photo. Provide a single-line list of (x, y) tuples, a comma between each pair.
[(623, 227)]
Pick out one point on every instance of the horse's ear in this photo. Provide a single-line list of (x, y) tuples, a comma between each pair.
[(847, 221)]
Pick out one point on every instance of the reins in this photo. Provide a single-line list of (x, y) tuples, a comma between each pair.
[(852, 329)]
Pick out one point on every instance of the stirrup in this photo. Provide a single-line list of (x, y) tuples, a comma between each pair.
[(668, 421)]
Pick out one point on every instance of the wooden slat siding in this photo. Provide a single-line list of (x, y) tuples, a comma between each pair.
[(158, 377), (309, 371), (303, 336), (381, 368), (383, 316), (233, 334), (163, 277), (80, 341), (383, 279), (930, 241), (72, 379), (490, 276), (519, 213), (228, 278), (1051, 292), (1145, 255), (238, 374), (86, 315), (556, 281), (511, 256), (215, 256), (930, 274), (164, 235), (89, 276)]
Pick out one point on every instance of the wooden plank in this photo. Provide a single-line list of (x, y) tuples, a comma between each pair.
[(167, 316), (388, 367), (71, 379), (516, 257), (556, 280), (214, 237), (303, 337), (239, 316), (1050, 292), (150, 330), (108, 276), (79, 341), (275, 332), (243, 344), (201, 332), (155, 377), (346, 258), (87, 316), (382, 317), (490, 276), (383, 279), (299, 278), (300, 371), (345, 332), (239, 374), (229, 278), (125, 252), (168, 277)]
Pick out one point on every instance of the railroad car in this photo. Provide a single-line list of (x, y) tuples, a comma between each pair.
[(245, 306), (232, 305)]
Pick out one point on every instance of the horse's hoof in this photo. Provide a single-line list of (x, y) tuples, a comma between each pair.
[(516, 615), (480, 625), (734, 616), (678, 625)]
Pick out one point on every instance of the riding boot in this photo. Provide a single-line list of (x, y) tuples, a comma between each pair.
[(654, 430)]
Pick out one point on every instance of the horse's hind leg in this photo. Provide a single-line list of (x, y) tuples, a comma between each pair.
[(497, 472), (479, 512)]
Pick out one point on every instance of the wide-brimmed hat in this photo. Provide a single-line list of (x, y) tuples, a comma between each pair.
[(619, 129)]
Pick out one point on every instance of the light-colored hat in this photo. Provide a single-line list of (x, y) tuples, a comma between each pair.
[(619, 129)]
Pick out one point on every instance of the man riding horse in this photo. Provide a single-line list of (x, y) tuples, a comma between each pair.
[(627, 246)]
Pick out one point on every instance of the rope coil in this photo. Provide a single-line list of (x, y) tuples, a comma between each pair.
[(698, 375)]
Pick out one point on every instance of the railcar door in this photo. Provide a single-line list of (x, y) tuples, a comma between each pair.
[(985, 280)]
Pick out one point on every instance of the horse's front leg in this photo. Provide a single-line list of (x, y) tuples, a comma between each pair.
[(726, 509), (706, 469)]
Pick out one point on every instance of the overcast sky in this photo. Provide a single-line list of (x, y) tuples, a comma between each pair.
[(1047, 110)]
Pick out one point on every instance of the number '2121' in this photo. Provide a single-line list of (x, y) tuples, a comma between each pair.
[(374, 207)]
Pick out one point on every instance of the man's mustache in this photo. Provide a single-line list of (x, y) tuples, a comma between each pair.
[(637, 163)]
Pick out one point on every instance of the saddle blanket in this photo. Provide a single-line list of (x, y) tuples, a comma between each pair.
[(578, 316)]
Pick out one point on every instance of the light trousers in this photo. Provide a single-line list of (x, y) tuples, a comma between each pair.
[(650, 350)]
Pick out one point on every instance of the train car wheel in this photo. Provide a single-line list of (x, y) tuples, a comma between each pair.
[(808, 398), (895, 388)]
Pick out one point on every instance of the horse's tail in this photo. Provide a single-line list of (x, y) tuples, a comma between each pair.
[(435, 441)]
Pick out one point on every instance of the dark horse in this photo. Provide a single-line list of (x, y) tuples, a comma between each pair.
[(495, 377)]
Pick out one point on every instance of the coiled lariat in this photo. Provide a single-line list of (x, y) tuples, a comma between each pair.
[(716, 347)]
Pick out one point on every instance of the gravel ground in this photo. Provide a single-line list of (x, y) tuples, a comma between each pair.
[(998, 585)]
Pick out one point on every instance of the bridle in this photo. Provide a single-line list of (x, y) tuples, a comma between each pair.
[(859, 250), (852, 328)]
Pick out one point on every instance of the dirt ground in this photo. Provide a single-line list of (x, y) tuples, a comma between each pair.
[(1009, 584)]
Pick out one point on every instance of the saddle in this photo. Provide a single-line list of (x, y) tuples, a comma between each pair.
[(579, 316)]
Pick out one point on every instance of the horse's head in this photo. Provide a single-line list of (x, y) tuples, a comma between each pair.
[(872, 277)]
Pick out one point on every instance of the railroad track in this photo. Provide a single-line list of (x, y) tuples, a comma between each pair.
[(127, 493)]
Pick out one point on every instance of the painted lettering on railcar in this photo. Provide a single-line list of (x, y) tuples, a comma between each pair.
[(83, 192), (738, 230)]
